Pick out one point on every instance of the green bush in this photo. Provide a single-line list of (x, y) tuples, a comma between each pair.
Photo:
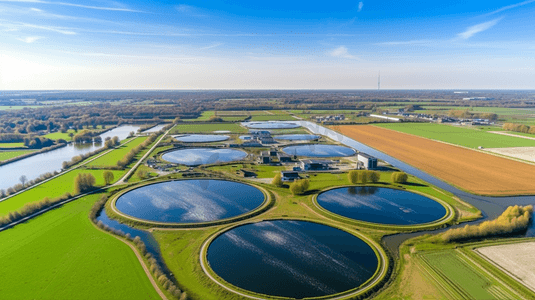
[(399, 177), (299, 187), (277, 180), (363, 176)]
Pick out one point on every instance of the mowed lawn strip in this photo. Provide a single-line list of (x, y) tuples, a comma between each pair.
[(51, 189), (468, 169), (61, 255), (12, 145), (111, 159), (5, 155), (466, 137)]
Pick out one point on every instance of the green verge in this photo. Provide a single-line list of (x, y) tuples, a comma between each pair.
[(208, 128), (466, 137), (51, 189), (5, 155), (69, 259), (110, 159)]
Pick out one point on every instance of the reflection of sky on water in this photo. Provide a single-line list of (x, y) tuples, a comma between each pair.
[(201, 156), (190, 201), (381, 205), (271, 125), (297, 137), (318, 150), (309, 259), (201, 138)]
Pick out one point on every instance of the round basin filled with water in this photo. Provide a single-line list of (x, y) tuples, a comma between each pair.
[(190, 201), (297, 137), (291, 259), (318, 150), (202, 156), (271, 125), (381, 205), (202, 138)]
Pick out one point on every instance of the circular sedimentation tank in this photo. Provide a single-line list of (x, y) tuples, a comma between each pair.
[(271, 125), (203, 156), (201, 138), (319, 150), (381, 205), (190, 201), (295, 259), (297, 137)]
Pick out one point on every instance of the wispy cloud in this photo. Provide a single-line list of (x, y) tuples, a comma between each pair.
[(18, 26), (411, 42), (341, 52), (361, 4), (30, 39), (211, 46), (189, 10), (504, 8), (472, 30), (76, 5)]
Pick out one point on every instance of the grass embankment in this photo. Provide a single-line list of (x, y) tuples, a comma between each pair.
[(181, 248), (5, 155), (110, 159), (69, 259), (12, 145), (261, 171), (466, 137), (53, 188), (208, 128)]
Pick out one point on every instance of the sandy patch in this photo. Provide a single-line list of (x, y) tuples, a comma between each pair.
[(525, 153)]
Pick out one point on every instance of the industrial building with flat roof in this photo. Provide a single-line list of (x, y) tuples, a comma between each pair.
[(368, 162)]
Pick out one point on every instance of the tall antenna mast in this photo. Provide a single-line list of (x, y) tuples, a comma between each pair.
[(379, 81)]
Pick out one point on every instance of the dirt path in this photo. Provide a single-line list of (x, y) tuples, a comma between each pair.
[(513, 135)]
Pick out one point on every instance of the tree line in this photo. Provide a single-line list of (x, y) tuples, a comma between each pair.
[(519, 128)]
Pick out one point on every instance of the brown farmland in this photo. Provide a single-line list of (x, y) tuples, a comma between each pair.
[(470, 170)]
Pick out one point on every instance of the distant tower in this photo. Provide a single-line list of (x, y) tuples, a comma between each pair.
[(379, 81)]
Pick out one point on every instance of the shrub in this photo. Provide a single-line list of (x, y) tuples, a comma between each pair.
[(353, 176), (277, 180), (84, 182), (399, 177), (108, 177), (299, 187), (374, 176)]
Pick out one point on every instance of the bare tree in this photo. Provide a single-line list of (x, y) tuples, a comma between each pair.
[(23, 179)]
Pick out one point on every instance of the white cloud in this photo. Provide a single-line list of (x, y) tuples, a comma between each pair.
[(211, 46), (472, 30), (510, 7), (361, 4), (30, 39), (74, 5), (341, 52)]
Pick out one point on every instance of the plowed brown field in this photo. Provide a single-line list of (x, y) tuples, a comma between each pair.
[(471, 170)]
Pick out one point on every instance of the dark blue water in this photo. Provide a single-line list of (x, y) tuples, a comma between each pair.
[(271, 125), (202, 156), (202, 138), (318, 150), (291, 259), (297, 137), (381, 205), (190, 201)]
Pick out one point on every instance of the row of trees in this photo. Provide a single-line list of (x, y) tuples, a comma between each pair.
[(110, 143), (129, 157), (513, 219), (84, 182), (25, 183), (399, 177), (363, 176), (519, 128), (466, 114)]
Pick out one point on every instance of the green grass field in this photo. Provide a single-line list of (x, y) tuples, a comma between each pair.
[(110, 159), (5, 155), (12, 145), (260, 170), (208, 128), (61, 255), (461, 278), (51, 189), (284, 117), (60, 135), (460, 136)]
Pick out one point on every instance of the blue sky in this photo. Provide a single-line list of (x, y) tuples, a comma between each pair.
[(266, 44)]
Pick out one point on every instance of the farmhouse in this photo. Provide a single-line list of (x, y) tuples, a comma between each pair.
[(368, 162), (315, 165)]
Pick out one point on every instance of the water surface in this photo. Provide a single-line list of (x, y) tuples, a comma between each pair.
[(202, 156), (291, 259), (271, 125), (318, 150), (190, 201), (297, 137), (201, 138), (381, 205)]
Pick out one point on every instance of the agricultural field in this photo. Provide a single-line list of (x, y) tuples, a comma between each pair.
[(51, 189), (461, 278), (208, 128), (461, 136), (470, 170), (111, 158), (517, 259), (61, 255), (5, 155), (61, 135)]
